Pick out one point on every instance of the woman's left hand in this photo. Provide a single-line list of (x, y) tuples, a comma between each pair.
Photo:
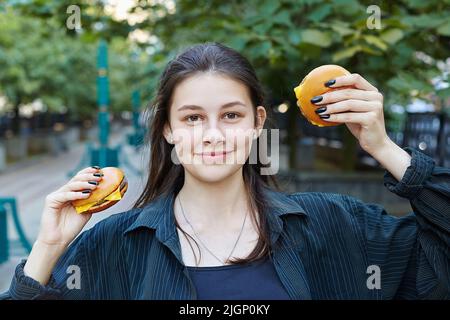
[(359, 107)]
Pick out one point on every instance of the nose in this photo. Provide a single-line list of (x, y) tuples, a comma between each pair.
[(213, 135)]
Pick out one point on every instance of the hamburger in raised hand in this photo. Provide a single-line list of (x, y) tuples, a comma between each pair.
[(313, 84), (109, 191)]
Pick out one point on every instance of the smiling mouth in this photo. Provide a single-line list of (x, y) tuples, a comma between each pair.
[(213, 154)]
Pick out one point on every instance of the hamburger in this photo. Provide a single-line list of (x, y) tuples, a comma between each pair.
[(313, 84), (109, 191)]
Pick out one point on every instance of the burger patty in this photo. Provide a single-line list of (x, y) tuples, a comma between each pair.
[(122, 187)]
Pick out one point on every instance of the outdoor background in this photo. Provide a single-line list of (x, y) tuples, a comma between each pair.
[(53, 83)]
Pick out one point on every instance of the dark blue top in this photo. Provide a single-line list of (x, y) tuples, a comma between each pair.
[(324, 246), (257, 280)]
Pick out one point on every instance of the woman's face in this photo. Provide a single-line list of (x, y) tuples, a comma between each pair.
[(212, 124)]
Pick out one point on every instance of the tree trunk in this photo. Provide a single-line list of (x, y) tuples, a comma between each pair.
[(16, 119)]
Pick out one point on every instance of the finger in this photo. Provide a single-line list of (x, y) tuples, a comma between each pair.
[(363, 118), (351, 105), (355, 80), (80, 186), (345, 94), (96, 176), (92, 169), (66, 196)]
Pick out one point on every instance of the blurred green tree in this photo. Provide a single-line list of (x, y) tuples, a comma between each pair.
[(285, 39), (41, 58)]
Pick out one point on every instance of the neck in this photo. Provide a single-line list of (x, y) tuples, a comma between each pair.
[(217, 201)]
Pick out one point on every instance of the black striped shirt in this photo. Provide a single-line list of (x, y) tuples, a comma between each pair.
[(325, 246)]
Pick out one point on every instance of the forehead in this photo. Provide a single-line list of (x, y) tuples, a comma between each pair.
[(209, 90)]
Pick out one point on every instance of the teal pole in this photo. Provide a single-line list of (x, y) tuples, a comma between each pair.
[(103, 101), (4, 242)]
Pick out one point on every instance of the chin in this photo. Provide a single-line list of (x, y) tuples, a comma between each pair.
[(213, 173)]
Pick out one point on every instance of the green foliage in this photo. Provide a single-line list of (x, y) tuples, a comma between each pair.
[(42, 59), (285, 39)]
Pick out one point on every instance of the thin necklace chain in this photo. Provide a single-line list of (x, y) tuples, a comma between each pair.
[(203, 244)]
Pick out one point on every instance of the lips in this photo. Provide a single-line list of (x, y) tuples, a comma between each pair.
[(212, 154)]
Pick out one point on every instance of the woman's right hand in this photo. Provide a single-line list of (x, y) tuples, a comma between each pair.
[(60, 223)]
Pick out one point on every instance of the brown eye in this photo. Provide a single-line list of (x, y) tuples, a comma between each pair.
[(192, 118), (231, 115)]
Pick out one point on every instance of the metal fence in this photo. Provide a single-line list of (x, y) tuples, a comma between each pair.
[(428, 132), (422, 132), (444, 142), (37, 123)]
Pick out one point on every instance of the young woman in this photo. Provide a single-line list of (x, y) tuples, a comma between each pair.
[(208, 228)]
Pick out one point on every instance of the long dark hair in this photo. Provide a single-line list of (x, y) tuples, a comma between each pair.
[(164, 175)]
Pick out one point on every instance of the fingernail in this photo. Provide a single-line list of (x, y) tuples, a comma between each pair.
[(325, 116), (96, 167), (316, 99), (95, 183), (330, 83), (321, 109), (86, 191), (98, 174)]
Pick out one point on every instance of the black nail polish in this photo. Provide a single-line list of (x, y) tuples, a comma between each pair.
[(98, 174), (316, 99), (330, 83), (325, 116), (95, 183), (86, 191), (95, 167), (321, 109)]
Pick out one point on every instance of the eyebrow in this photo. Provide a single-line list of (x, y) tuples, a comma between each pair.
[(195, 107)]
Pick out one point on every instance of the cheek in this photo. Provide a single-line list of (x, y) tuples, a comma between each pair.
[(185, 142), (242, 143), (241, 140)]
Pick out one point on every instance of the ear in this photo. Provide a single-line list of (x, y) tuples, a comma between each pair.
[(167, 132), (261, 117)]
